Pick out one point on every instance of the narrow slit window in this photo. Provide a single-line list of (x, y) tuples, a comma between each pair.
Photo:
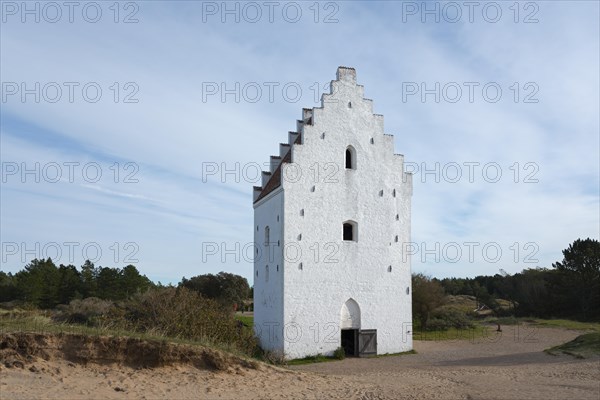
[(350, 158), (349, 231)]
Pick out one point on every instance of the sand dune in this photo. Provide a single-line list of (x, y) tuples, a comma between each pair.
[(511, 366)]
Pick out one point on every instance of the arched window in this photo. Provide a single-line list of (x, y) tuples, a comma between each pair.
[(267, 234), (350, 231), (350, 158)]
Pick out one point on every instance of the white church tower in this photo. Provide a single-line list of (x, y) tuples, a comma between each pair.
[(330, 220)]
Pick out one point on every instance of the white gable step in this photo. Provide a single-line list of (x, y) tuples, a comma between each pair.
[(283, 149), (307, 114), (275, 161), (292, 136), (256, 192), (265, 177)]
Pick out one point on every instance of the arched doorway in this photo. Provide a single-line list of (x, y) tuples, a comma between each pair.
[(350, 327)]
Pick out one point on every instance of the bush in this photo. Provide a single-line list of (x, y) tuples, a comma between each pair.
[(88, 311), (504, 312), (446, 318), (437, 324), (339, 353), (183, 313)]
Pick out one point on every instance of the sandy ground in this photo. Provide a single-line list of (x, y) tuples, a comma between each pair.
[(511, 366)]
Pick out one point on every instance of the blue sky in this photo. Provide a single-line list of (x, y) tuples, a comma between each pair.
[(160, 210)]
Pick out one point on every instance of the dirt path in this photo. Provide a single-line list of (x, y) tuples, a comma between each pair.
[(511, 365), (508, 367)]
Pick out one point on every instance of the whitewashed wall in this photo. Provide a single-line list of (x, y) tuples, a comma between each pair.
[(268, 290)]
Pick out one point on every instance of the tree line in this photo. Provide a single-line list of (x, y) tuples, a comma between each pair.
[(44, 285), (570, 289)]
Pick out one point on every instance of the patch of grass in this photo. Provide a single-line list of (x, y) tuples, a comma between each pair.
[(462, 303), (339, 353), (477, 331), (247, 320), (504, 321), (582, 346), (396, 354), (568, 324), (317, 358), (14, 311)]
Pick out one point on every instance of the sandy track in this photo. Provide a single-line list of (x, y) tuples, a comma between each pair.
[(511, 365), (506, 367)]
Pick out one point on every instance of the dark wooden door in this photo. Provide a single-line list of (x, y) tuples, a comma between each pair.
[(367, 343)]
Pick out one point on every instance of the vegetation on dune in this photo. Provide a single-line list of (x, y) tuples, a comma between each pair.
[(121, 302), (570, 290), (17, 348), (567, 324), (582, 346), (172, 314)]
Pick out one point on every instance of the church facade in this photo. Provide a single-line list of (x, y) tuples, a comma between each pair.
[(330, 220)]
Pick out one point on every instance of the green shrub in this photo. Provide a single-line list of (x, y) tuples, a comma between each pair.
[(184, 313), (339, 353), (437, 324), (89, 311), (446, 318)]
